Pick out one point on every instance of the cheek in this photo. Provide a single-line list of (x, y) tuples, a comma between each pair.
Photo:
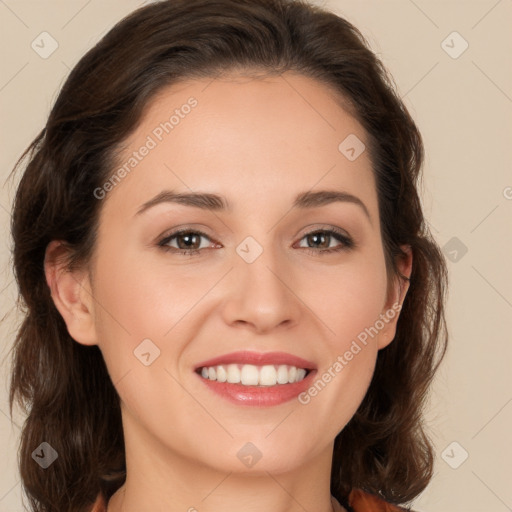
[(131, 305), (139, 300), (350, 298), (350, 311), (142, 299)]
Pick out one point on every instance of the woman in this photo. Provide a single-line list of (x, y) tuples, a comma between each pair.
[(232, 299)]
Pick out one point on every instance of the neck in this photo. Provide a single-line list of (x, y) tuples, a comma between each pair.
[(118, 504), (162, 480)]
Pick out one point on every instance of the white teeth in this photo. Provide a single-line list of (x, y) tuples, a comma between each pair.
[(222, 376), (268, 376), (251, 375), (233, 374), (282, 375)]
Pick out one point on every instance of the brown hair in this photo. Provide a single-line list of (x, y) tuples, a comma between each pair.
[(63, 386)]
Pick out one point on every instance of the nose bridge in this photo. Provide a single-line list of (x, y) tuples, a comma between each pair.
[(259, 295)]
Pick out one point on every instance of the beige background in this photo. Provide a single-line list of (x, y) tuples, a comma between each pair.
[(463, 107)]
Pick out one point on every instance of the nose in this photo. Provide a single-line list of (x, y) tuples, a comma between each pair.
[(260, 295)]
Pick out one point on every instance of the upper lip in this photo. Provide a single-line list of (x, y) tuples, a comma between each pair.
[(258, 359)]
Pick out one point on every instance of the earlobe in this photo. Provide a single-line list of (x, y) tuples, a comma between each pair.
[(71, 294), (396, 297)]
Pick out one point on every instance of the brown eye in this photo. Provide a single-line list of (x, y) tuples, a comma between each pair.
[(186, 241), (321, 240)]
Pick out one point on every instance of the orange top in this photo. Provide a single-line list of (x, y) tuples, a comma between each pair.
[(360, 501)]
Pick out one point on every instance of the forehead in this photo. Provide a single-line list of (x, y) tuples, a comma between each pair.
[(237, 132)]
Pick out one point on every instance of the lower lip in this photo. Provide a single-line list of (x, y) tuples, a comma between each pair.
[(259, 396)]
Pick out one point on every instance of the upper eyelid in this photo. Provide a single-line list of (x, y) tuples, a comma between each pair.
[(174, 234)]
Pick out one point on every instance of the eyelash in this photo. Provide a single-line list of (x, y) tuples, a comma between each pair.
[(346, 242)]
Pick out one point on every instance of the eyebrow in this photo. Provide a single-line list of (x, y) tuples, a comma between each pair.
[(215, 202)]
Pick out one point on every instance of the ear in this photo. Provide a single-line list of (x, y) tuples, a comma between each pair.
[(71, 293), (396, 296)]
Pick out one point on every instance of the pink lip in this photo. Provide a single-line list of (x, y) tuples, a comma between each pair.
[(258, 359), (259, 396)]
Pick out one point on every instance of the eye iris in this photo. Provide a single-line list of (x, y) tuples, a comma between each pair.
[(189, 239), (319, 239)]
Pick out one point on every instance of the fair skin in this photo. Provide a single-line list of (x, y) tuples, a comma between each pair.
[(258, 143)]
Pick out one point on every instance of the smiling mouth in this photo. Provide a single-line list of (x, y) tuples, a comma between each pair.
[(253, 375)]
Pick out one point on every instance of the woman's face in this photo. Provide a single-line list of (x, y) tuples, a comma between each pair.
[(268, 265)]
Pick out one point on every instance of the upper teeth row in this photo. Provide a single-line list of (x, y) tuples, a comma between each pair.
[(251, 375)]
